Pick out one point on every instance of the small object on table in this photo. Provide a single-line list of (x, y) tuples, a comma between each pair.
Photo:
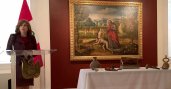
[(129, 63), (95, 64), (112, 68), (153, 67), (166, 62), (146, 66)]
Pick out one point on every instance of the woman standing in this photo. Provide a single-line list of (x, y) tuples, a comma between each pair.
[(23, 39), (112, 35)]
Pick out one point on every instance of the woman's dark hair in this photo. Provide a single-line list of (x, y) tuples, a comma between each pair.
[(29, 32)]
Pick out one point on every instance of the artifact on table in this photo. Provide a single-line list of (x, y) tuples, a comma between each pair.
[(129, 63), (153, 67), (112, 68), (94, 64), (165, 62)]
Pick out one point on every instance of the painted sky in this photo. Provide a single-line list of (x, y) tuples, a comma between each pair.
[(109, 12)]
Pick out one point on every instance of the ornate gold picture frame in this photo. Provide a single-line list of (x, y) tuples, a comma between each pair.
[(105, 29)]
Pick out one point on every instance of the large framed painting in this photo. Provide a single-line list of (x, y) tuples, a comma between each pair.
[(105, 29)]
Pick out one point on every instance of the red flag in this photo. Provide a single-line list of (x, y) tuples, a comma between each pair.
[(26, 15), (25, 12), (38, 58)]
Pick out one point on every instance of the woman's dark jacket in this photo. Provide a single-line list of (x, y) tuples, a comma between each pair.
[(16, 42)]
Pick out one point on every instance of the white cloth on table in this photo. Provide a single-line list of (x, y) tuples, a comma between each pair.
[(125, 79)]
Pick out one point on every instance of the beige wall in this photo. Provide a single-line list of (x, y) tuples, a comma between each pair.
[(4, 80), (40, 25), (4, 75), (162, 30)]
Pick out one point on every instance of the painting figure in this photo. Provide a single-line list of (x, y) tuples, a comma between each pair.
[(101, 41), (112, 35)]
